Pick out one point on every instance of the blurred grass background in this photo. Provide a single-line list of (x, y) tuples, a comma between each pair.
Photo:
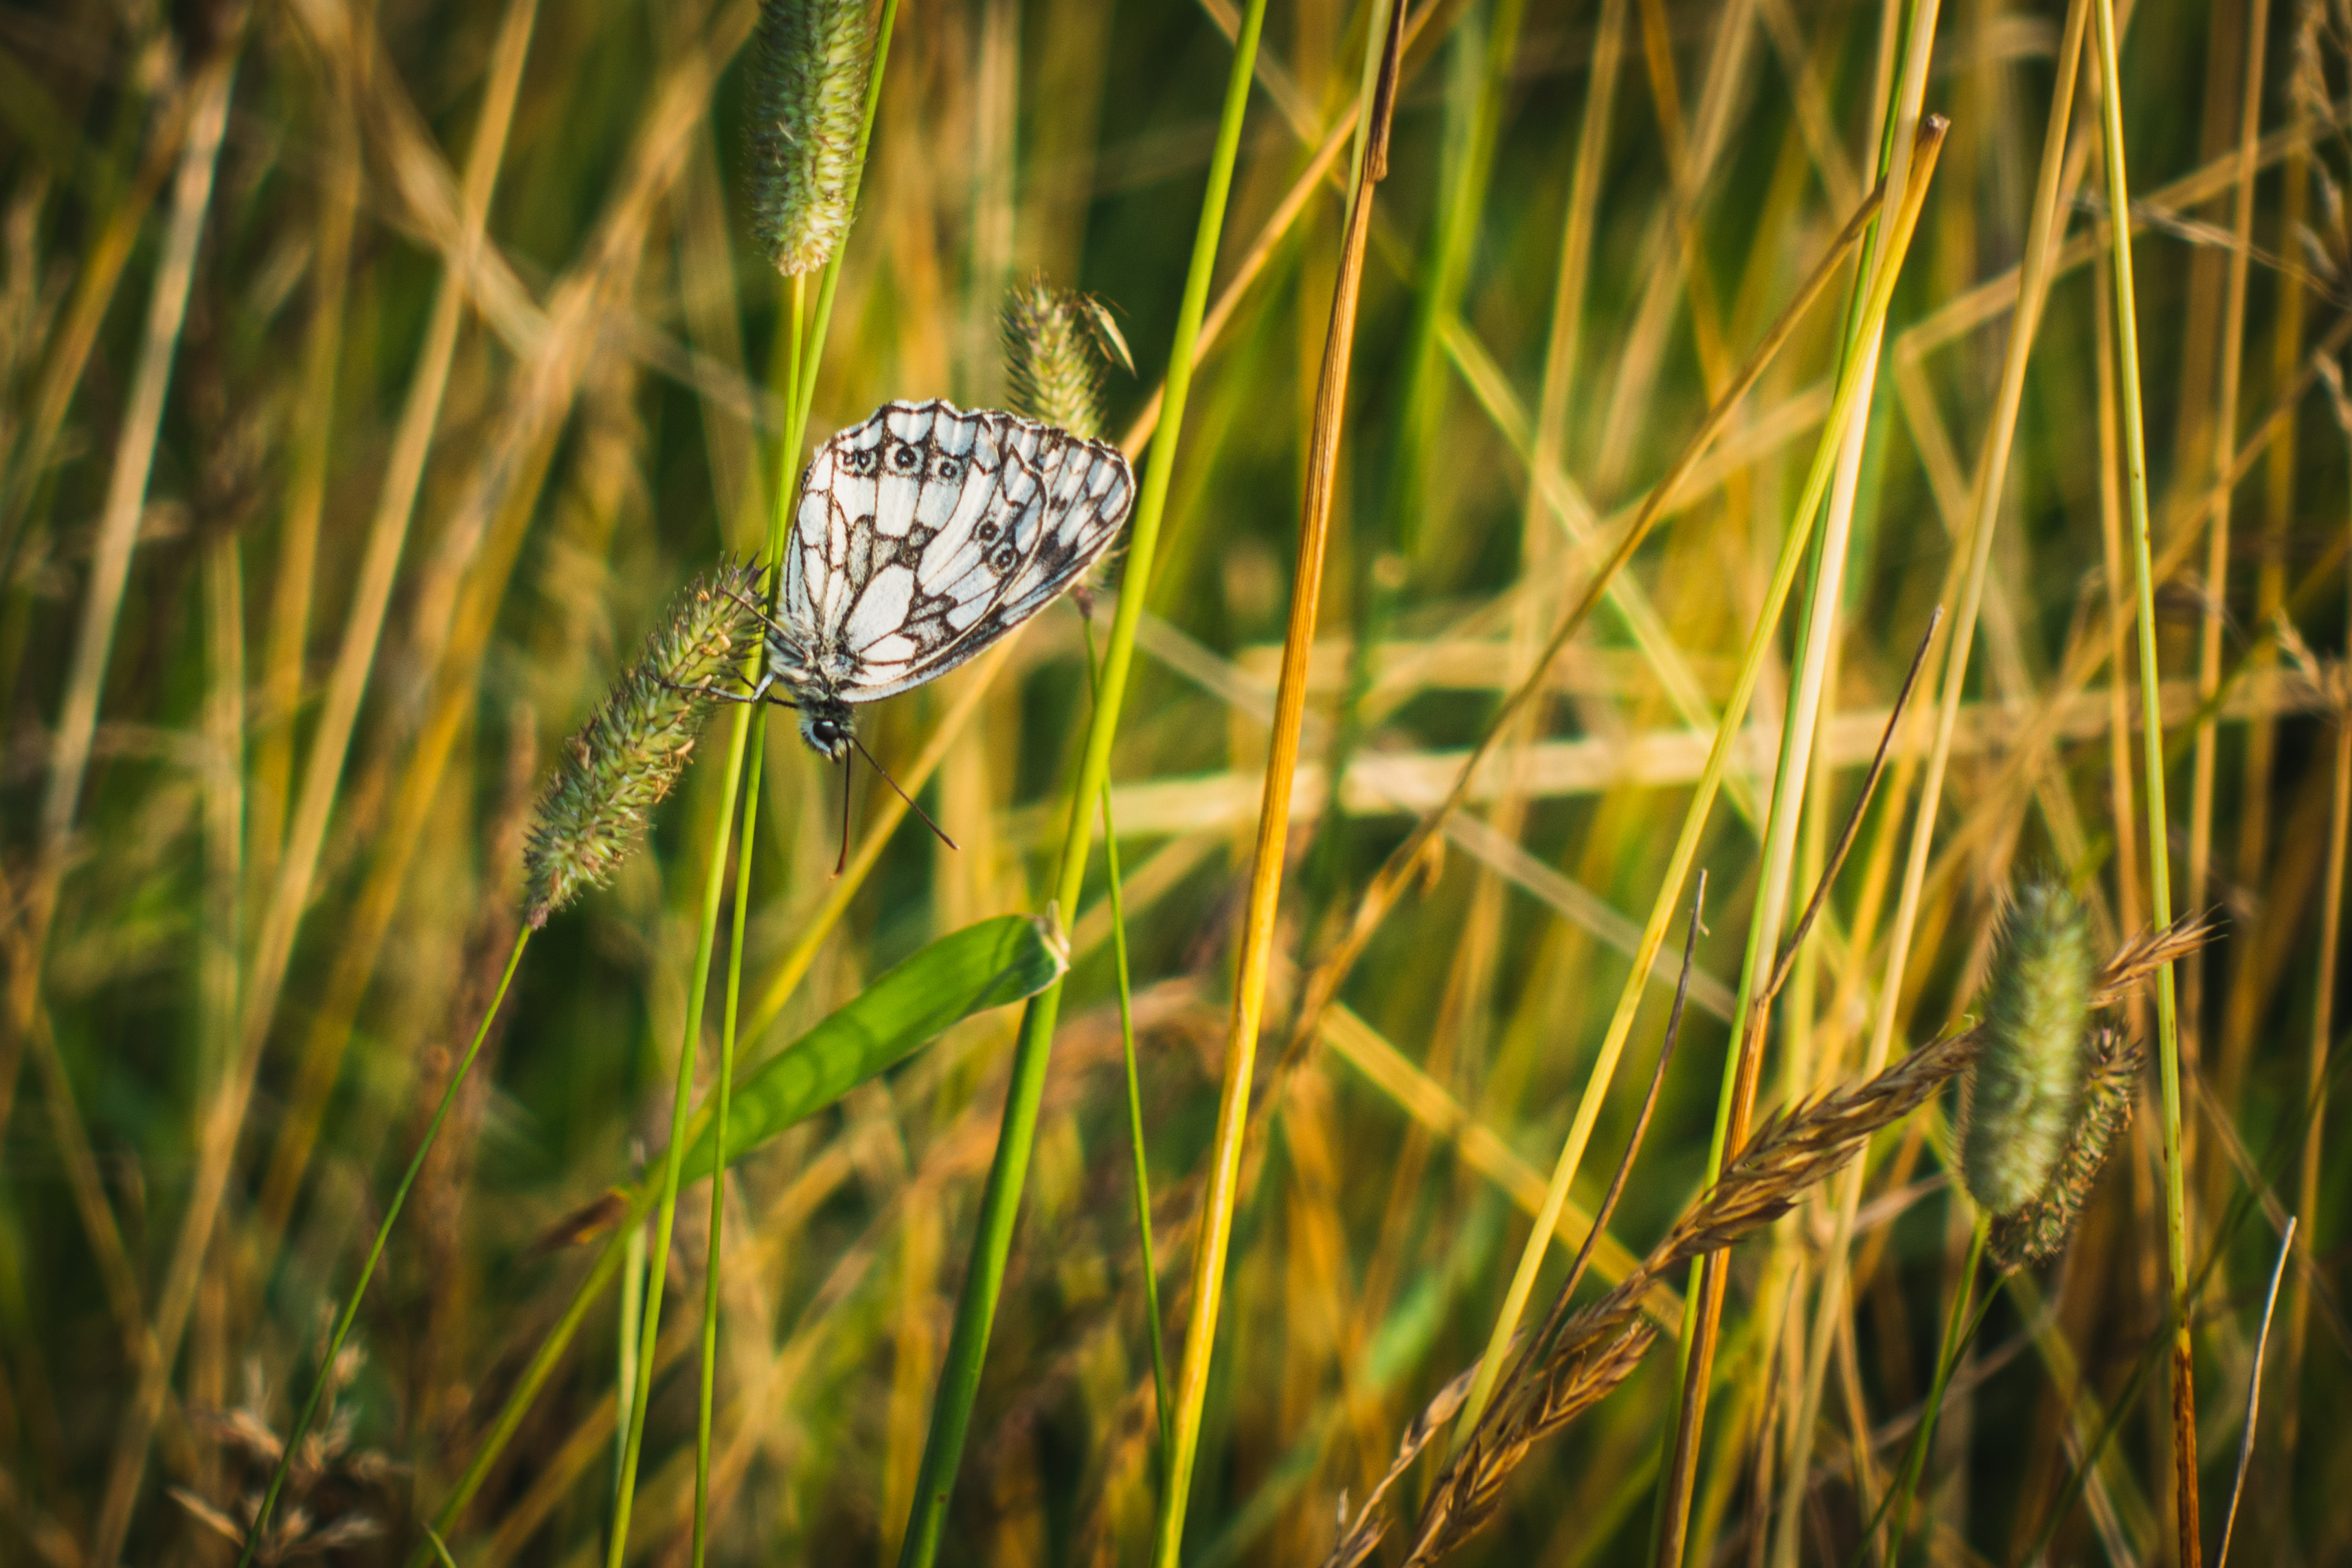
[(264, 268)]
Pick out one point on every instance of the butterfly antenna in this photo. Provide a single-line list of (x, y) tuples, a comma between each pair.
[(841, 861), (903, 795)]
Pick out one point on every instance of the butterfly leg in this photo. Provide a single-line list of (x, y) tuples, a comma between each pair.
[(761, 610)]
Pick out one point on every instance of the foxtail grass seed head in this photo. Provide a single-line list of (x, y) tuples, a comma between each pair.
[(634, 746), (1057, 344), (809, 65), (2038, 1231), (2029, 1079)]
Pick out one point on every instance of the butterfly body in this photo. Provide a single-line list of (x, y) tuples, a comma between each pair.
[(921, 535)]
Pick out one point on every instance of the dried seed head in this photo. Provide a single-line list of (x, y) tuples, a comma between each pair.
[(2037, 1231), (1056, 342), (808, 97), (633, 748), (2027, 1083)]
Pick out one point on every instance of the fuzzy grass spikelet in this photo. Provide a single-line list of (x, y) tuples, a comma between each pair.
[(1056, 343), (808, 70), (2029, 1080), (2036, 1232), (624, 760)]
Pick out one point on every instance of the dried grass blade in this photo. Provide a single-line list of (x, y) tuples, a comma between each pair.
[(1257, 936)]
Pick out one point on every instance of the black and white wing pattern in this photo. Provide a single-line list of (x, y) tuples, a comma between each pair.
[(926, 533)]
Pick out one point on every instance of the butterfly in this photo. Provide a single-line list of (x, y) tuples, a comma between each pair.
[(921, 535)]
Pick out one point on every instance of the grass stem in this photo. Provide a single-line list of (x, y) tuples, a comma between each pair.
[(714, 888), (1008, 1170), (2167, 1020), (1257, 932)]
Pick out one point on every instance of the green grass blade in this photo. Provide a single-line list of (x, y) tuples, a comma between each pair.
[(1008, 1172), (988, 965), (983, 966)]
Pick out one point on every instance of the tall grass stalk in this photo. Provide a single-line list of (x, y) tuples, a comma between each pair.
[(779, 533), (2044, 228), (2315, 1054), (1257, 935), (1008, 1170), (2160, 873), (2225, 441), (1876, 298), (839, 185), (1817, 633), (133, 471), (1162, 1404)]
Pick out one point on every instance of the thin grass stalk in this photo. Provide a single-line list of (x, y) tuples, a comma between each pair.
[(1388, 885), (714, 887), (721, 1094), (2127, 1397), (2315, 1074), (1948, 1359), (116, 535), (319, 1384), (97, 273), (2159, 874), (625, 1247), (306, 487), (2254, 1396), (1744, 1067), (1735, 711), (134, 460), (323, 763), (779, 530), (1257, 928), (205, 108), (2045, 229), (630, 1318), (2225, 441), (804, 350), (1008, 1171), (1162, 1410)]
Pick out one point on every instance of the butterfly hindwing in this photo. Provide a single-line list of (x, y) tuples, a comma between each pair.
[(925, 533)]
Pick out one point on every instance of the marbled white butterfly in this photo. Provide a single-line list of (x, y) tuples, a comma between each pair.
[(922, 536)]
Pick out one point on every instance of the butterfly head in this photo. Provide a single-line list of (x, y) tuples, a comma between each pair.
[(825, 726)]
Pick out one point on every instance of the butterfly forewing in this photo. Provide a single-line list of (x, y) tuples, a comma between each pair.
[(926, 533)]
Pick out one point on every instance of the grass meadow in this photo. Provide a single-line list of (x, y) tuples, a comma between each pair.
[(1591, 458)]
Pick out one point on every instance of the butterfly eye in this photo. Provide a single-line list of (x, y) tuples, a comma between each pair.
[(1004, 558), (907, 460), (986, 532), (861, 462), (949, 469)]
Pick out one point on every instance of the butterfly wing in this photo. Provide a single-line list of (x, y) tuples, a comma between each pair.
[(926, 533)]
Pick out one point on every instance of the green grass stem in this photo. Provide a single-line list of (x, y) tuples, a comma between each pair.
[(1008, 1171), (2160, 872), (1879, 296), (705, 942), (1162, 1411)]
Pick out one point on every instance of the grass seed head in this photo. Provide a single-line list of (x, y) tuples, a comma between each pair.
[(2029, 1079), (1056, 343), (808, 97), (633, 748), (2038, 1231)]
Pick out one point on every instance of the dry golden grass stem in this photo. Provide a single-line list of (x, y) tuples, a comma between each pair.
[(1564, 1369), (1388, 885), (1258, 931), (1597, 1348)]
